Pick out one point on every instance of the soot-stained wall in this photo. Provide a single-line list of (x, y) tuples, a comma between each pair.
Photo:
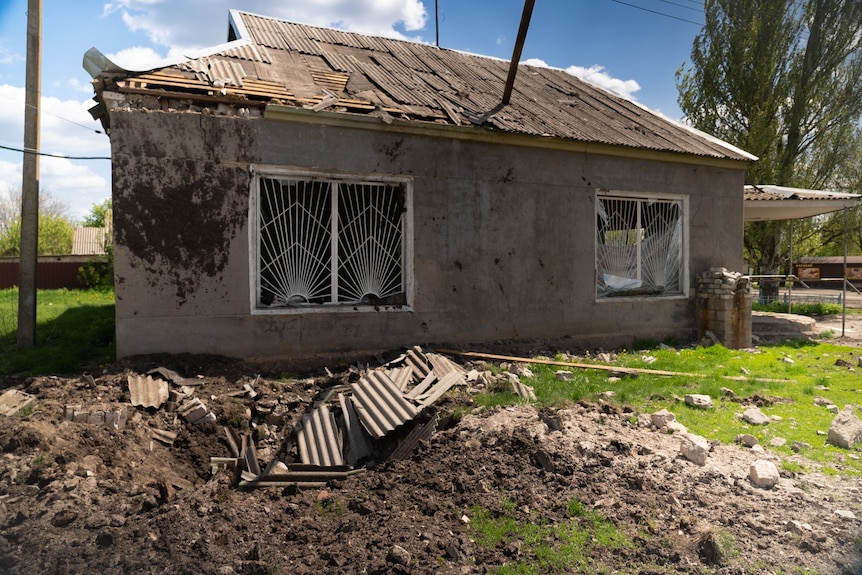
[(503, 238)]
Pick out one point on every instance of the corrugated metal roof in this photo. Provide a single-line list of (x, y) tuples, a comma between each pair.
[(768, 202), (380, 404), (358, 442), (146, 391), (88, 241), (546, 102), (318, 438)]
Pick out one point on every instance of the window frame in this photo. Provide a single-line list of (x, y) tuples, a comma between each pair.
[(280, 172), (684, 290)]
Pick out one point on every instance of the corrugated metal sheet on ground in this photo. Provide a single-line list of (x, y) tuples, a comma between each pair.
[(146, 391), (319, 439), (416, 359), (249, 455), (422, 386), (442, 365), (357, 442), (380, 404), (401, 376), (442, 386), (421, 432)]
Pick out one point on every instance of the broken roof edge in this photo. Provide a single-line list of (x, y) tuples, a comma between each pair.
[(97, 63), (279, 112)]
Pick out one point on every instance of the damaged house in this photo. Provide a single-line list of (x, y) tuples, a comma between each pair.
[(300, 192)]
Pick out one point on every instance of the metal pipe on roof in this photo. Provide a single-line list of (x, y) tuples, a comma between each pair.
[(519, 47)]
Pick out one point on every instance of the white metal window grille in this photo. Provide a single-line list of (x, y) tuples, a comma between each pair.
[(639, 246), (330, 242)]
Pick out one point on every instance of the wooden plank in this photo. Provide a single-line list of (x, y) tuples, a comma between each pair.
[(601, 367)]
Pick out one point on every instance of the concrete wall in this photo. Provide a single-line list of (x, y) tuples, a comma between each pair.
[(503, 238)]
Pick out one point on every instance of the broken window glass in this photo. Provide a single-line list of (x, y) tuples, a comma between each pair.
[(639, 246), (330, 242)]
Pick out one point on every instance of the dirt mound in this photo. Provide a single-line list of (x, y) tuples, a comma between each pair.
[(79, 496)]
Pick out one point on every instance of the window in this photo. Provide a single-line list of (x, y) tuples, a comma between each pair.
[(639, 246), (328, 242)]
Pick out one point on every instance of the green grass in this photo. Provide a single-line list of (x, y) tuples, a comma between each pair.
[(74, 332), (799, 308), (564, 547), (788, 388)]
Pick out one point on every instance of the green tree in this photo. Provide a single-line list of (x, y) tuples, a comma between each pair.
[(99, 216), (98, 272), (781, 79), (55, 236)]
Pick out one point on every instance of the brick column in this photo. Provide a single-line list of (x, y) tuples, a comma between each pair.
[(723, 307)]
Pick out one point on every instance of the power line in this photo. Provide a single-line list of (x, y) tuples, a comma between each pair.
[(61, 156), (658, 13), (44, 111), (698, 10)]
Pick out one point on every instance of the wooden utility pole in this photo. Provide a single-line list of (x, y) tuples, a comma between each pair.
[(30, 185)]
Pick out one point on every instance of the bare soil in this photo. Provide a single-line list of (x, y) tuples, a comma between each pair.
[(82, 498)]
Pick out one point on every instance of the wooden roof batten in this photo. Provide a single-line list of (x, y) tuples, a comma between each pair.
[(271, 63)]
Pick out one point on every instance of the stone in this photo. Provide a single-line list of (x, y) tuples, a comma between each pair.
[(565, 375), (846, 429), (777, 442), (521, 370), (763, 474), (833, 409), (661, 418), (845, 514), (675, 427), (747, 439), (754, 416), (694, 448), (399, 556), (14, 401), (797, 527), (698, 400), (822, 401), (727, 392)]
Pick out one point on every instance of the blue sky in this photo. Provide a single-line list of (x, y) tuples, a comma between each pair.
[(632, 47)]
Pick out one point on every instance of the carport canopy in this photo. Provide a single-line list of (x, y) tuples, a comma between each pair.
[(765, 203)]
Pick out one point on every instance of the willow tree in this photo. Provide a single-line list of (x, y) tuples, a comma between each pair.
[(781, 79)]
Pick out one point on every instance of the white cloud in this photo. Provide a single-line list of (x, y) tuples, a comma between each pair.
[(168, 23), (139, 58), (597, 76), (68, 129)]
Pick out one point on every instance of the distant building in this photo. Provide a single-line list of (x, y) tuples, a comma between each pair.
[(89, 241)]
